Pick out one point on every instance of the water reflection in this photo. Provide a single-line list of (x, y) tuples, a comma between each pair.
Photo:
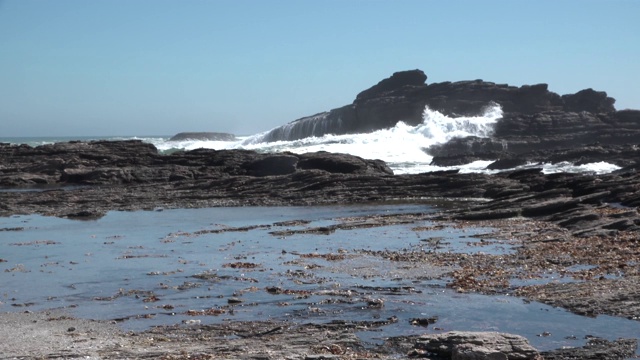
[(152, 268)]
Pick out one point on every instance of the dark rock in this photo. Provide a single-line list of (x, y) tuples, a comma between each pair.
[(627, 119), (549, 207), (477, 345), (397, 81), (341, 163), (506, 163), (213, 136), (490, 214), (404, 95), (460, 151), (129, 175), (272, 165), (85, 215), (596, 349), (589, 100), (537, 125)]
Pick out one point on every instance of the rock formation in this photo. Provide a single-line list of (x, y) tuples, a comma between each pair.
[(136, 162), (404, 95), (537, 125), (214, 136), (87, 179), (463, 345)]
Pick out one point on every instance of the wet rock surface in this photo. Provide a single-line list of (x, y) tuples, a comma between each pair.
[(84, 180), (48, 335), (61, 336), (550, 137), (596, 349), (463, 345), (581, 228)]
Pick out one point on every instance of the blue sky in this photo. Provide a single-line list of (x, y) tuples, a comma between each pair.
[(158, 67)]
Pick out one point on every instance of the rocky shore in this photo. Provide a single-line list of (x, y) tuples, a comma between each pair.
[(54, 335), (79, 179), (557, 222), (580, 226)]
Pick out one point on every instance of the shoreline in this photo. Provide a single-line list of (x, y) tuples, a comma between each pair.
[(578, 227), (535, 243)]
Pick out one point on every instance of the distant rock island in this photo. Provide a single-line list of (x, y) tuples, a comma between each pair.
[(213, 136)]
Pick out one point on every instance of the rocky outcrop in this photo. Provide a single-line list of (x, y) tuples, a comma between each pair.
[(588, 100), (461, 345), (596, 349), (404, 95), (577, 202), (90, 178), (537, 126), (550, 137), (213, 136), (136, 162), (466, 345)]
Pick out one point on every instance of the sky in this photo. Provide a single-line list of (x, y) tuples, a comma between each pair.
[(159, 67)]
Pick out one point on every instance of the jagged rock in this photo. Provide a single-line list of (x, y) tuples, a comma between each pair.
[(140, 178), (341, 163), (397, 81), (477, 345), (214, 136), (596, 349), (589, 100), (476, 352), (537, 125), (506, 162), (404, 95), (272, 165), (134, 162)]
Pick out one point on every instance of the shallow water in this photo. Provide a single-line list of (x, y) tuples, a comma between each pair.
[(139, 268)]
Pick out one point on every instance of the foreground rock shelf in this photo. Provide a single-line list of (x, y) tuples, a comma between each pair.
[(561, 221), (81, 179)]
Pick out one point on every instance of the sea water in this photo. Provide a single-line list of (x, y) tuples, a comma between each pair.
[(111, 267), (404, 148)]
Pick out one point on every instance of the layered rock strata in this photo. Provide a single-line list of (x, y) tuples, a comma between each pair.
[(88, 179)]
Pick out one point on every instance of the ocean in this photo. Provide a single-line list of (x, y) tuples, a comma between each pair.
[(401, 147)]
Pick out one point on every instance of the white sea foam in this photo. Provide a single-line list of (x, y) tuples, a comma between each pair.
[(597, 168), (403, 147)]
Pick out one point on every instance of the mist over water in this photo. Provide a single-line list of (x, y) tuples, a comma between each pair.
[(404, 147)]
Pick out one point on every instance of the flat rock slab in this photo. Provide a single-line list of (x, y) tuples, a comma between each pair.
[(463, 345)]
